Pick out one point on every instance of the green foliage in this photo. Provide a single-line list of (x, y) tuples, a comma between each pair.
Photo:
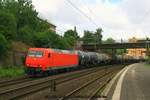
[(121, 51), (11, 71), (19, 20), (7, 25), (64, 44), (109, 41), (3, 45), (42, 25), (41, 39), (47, 39), (98, 35), (26, 14), (1, 4), (93, 37), (25, 34), (71, 42), (88, 37), (71, 36), (71, 33)]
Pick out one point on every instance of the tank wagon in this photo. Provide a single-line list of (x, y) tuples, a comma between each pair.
[(128, 59)]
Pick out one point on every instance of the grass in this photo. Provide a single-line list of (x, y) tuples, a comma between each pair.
[(13, 71)]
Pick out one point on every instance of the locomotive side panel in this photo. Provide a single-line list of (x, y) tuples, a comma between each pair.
[(64, 60)]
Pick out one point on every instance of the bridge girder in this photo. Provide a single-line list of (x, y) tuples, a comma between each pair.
[(93, 47)]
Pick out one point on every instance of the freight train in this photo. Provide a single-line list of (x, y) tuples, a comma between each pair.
[(48, 60)]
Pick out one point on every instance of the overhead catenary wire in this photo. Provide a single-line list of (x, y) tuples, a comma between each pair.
[(84, 14), (61, 30), (88, 8)]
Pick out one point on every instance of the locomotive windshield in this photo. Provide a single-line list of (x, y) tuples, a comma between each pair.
[(39, 54), (35, 53)]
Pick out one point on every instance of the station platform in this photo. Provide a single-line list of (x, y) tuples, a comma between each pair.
[(131, 83)]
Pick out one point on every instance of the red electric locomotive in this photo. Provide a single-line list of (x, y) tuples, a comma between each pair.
[(41, 60)]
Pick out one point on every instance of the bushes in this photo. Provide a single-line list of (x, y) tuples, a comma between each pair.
[(11, 71), (7, 25), (25, 34), (41, 39), (3, 45), (51, 39)]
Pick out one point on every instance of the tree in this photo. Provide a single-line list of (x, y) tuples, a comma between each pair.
[(41, 39), (42, 25), (109, 41), (4, 45), (93, 37), (26, 34), (88, 37), (7, 25), (71, 33), (1, 5), (64, 44), (71, 41), (26, 15), (71, 36), (48, 39), (98, 35)]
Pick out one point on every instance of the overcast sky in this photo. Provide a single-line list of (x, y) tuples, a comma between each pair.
[(118, 18)]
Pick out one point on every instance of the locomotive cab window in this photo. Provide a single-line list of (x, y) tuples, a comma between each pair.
[(39, 54), (31, 53), (35, 53)]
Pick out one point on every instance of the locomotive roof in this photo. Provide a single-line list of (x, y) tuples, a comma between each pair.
[(54, 50), (40, 49)]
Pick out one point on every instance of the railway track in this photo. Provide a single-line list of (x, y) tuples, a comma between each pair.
[(14, 81), (27, 88), (88, 90), (97, 92), (67, 87), (94, 85)]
